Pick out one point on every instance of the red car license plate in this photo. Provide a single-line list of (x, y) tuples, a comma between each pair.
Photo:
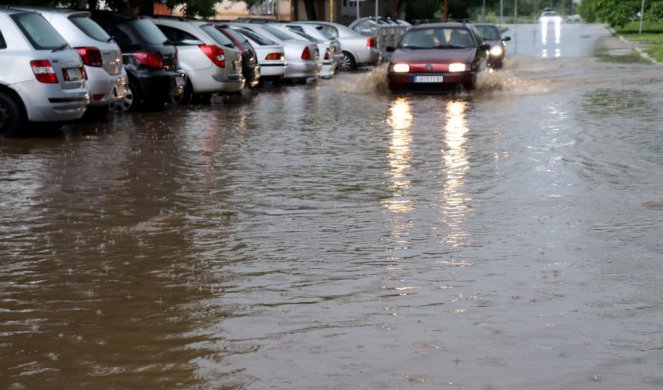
[(428, 79)]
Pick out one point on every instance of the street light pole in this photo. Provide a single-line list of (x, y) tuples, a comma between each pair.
[(642, 15)]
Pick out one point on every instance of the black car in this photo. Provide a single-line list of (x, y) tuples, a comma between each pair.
[(149, 59), (491, 35), (250, 66)]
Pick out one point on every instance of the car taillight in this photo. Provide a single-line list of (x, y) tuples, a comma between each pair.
[(215, 54), (274, 56), (91, 56), (372, 42), (152, 60), (306, 54), (44, 71)]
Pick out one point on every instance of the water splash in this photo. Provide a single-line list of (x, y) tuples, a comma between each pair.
[(488, 82)]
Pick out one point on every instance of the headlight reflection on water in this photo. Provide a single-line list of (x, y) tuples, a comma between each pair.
[(544, 36), (453, 200), (400, 120), (455, 160)]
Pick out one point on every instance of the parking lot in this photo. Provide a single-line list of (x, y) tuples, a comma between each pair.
[(335, 235)]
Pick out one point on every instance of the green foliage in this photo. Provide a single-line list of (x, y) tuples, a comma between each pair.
[(617, 13), (192, 8), (587, 11)]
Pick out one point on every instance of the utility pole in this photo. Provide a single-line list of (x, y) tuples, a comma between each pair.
[(446, 10)]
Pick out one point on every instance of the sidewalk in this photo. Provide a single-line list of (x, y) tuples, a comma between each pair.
[(622, 46)]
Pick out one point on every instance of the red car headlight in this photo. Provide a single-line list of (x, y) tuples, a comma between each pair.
[(457, 67), (400, 68)]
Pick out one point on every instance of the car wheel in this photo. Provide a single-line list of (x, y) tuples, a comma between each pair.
[(131, 100), (186, 97), (96, 113), (11, 116), (347, 63)]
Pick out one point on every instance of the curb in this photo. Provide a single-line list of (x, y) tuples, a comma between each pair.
[(636, 47)]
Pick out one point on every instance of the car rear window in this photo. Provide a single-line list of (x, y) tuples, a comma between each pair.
[(149, 31), (280, 35), (90, 28), (257, 38), (3, 44), (39, 32), (217, 35), (305, 36), (236, 35)]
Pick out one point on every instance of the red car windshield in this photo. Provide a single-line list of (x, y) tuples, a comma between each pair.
[(438, 38)]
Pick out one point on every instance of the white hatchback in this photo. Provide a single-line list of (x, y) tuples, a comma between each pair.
[(210, 66), (106, 77), (42, 78)]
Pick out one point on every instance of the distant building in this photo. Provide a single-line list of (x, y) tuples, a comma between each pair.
[(343, 11)]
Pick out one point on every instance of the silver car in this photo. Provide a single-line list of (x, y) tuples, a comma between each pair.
[(325, 59), (335, 47), (210, 68), (271, 55), (106, 77), (358, 50), (42, 78), (302, 56)]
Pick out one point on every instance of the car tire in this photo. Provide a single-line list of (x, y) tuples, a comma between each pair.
[(11, 116), (130, 101), (186, 97), (348, 63), (96, 113)]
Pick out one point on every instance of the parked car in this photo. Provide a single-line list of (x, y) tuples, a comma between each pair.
[(436, 57), (211, 65), (271, 55), (491, 35), (42, 78), (358, 50), (302, 56), (148, 57), (319, 33), (368, 25), (325, 59), (250, 65), (102, 58)]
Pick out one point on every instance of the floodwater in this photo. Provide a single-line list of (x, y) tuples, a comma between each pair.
[(335, 236)]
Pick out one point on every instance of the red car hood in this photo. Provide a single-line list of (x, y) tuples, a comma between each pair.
[(433, 55)]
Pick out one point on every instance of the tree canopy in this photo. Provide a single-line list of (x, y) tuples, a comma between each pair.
[(619, 12)]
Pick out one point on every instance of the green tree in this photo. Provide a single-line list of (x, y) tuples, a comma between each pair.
[(617, 12)]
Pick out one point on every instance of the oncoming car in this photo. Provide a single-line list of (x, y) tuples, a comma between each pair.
[(491, 35), (437, 57), (550, 16)]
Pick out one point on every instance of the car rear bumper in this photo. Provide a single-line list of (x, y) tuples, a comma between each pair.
[(160, 84), (50, 103), (104, 88), (302, 69), (275, 70)]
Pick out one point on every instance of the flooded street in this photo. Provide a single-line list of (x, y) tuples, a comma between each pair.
[(336, 236)]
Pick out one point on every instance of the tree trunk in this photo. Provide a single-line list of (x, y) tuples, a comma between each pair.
[(311, 14)]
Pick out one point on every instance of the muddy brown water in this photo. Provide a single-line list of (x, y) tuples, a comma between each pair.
[(335, 236)]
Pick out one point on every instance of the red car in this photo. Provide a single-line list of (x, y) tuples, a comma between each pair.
[(437, 57)]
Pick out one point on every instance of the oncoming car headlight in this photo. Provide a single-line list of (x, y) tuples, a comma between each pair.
[(400, 68), (457, 67), (496, 51)]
